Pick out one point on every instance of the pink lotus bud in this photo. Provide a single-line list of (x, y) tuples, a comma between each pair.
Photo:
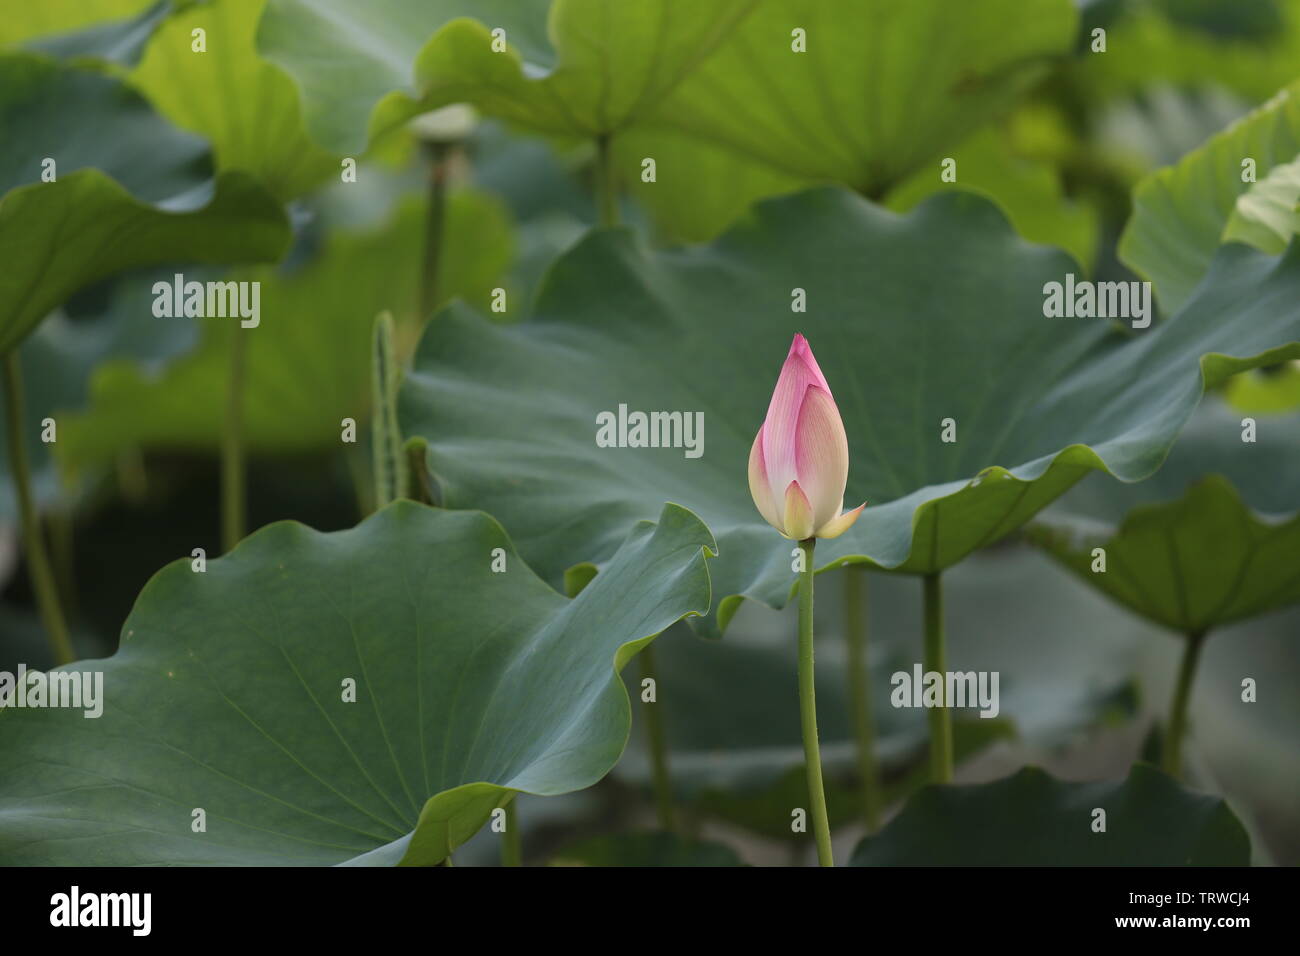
[(800, 460)]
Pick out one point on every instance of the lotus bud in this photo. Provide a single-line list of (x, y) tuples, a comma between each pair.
[(799, 463)]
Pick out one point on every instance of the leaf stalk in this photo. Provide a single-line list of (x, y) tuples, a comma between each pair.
[(940, 718), (38, 561), (606, 184), (657, 745), (233, 505), (855, 625), (1172, 754)]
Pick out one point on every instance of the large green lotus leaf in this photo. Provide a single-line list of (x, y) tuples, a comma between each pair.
[(900, 313), (307, 363), (583, 67), (27, 21), (228, 694), (1193, 564), (884, 89), (248, 108), (350, 60), (130, 191), (1145, 47), (1180, 213), (1213, 538), (700, 188), (199, 91), (1265, 471), (120, 41), (1032, 819), (1029, 192)]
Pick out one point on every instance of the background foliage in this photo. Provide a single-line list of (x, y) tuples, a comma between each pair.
[(773, 170)]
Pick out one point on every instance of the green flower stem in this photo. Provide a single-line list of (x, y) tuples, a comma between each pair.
[(435, 226), (1173, 760), (808, 708), (512, 844), (657, 745), (232, 447), (940, 718), (606, 185), (38, 561), (855, 625)]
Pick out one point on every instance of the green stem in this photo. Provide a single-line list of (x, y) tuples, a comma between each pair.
[(606, 185), (940, 718), (232, 447), (512, 844), (855, 624), (435, 224), (38, 561), (657, 745), (387, 461), (1173, 760), (808, 708)]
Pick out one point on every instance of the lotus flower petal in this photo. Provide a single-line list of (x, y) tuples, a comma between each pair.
[(798, 515), (821, 455), (782, 423), (838, 525), (759, 486)]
